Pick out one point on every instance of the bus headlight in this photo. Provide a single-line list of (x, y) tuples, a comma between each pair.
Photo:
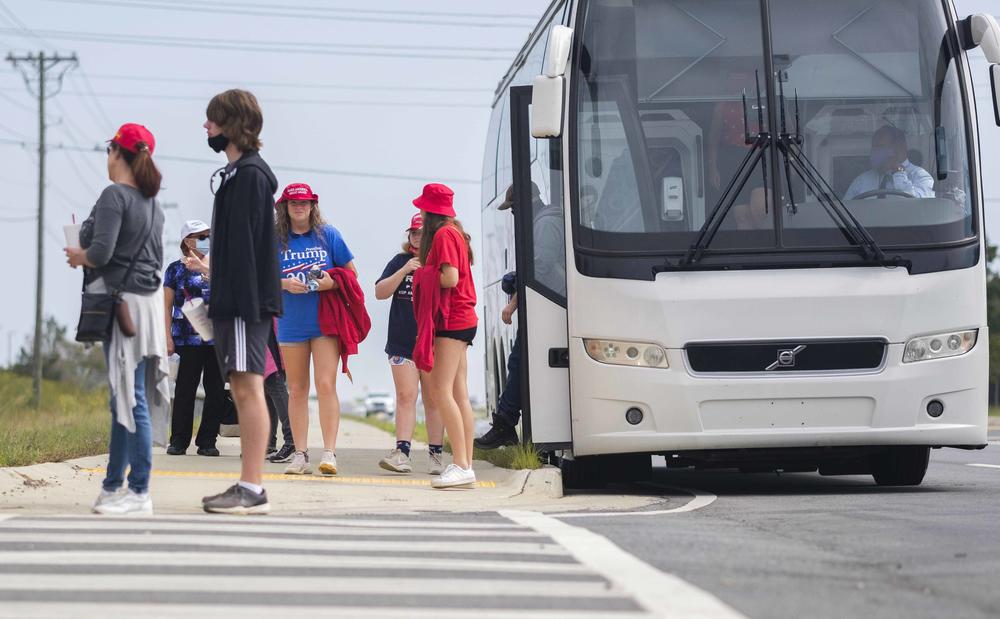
[(939, 345), (634, 354)]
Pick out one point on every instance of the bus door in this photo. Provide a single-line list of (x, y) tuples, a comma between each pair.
[(540, 259)]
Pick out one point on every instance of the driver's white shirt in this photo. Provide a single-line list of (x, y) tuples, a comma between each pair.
[(913, 180)]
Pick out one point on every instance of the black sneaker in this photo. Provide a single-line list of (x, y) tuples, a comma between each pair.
[(500, 435), (175, 451), (270, 452), (237, 500), (282, 455), (208, 451)]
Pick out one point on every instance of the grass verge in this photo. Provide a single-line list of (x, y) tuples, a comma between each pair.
[(515, 457), (995, 411), (70, 423), (520, 456)]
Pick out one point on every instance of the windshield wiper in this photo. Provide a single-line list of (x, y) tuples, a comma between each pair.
[(759, 144), (790, 146)]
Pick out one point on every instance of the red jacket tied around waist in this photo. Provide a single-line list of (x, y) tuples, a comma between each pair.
[(342, 313), (429, 308)]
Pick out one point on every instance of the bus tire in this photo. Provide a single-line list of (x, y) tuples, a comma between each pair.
[(580, 474), (597, 471), (900, 466)]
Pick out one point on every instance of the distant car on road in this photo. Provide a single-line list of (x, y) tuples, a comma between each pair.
[(379, 402)]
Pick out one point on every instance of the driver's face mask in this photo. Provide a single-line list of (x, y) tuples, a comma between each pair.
[(881, 156)]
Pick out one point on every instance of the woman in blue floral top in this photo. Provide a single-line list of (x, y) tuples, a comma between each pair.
[(185, 279)]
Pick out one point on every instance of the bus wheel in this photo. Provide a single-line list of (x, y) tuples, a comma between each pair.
[(598, 471), (900, 466)]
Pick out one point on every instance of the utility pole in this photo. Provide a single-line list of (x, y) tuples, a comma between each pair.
[(40, 65)]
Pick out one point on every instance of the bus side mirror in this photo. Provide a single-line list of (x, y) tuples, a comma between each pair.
[(984, 32), (995, 83), (548, 89)]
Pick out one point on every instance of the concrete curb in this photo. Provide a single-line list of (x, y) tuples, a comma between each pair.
[(543, 483)]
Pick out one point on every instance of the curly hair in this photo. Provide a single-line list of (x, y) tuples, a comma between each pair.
[(283, 223), (238, 114)]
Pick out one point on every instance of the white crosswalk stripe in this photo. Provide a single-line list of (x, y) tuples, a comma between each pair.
[(441, 567)]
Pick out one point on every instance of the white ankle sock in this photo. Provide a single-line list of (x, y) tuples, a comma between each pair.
[(252, 487)]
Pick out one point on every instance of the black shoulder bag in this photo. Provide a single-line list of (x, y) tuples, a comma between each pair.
[(98, 309)]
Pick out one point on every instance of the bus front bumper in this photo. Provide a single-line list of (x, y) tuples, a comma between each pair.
[(682, 412)]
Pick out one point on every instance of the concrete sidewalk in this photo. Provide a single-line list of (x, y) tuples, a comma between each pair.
[(361, 486)]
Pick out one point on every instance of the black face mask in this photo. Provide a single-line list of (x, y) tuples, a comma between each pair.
[(218, 143)]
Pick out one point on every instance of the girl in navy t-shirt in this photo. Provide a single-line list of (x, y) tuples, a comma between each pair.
[(396, 282), (305, 243)]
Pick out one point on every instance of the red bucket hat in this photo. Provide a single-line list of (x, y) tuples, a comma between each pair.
[(437, 199), (416, 223), (297, 191), (129, 135)]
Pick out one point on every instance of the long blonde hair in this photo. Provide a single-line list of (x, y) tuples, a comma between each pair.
[(283, 223)]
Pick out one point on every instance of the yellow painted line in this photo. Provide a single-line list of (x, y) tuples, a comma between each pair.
[(376, 481)]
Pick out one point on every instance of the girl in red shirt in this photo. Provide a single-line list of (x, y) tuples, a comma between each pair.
[(446, 253)]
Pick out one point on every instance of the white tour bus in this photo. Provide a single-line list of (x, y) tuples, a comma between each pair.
[(770, 250)]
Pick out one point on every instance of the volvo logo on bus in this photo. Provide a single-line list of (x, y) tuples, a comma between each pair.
[(786, 358)]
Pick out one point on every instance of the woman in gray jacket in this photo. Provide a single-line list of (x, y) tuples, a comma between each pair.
[(127, 223)]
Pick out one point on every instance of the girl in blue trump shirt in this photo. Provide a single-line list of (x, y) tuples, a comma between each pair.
[(308, 246)]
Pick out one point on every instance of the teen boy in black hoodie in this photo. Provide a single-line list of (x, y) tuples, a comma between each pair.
[(246, 290)]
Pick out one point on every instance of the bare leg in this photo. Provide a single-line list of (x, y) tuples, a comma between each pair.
[(248, 393), (461, 393), (296, 359), (435, 425), (326, 364), (406, 377), (447, 356)]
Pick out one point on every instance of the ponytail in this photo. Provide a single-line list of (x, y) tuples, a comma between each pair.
[(147, 176)]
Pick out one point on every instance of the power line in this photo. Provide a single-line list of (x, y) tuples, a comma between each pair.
[(15, 102), (109, 125), (296, 101), (281, 168), (265, 84), (13, 132), (289, 47), (257, 10)]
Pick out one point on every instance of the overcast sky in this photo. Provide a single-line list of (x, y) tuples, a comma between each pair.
[(413, 101), (420, 111)]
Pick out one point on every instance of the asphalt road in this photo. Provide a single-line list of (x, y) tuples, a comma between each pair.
[(802, 545)]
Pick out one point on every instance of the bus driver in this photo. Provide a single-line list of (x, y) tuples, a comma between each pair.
[(891, 169)]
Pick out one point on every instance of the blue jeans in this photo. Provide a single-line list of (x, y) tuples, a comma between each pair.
[(133, 450), (509, 407)]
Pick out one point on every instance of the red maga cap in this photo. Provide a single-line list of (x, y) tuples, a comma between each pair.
[(416, 223), (130, 135), (437, 199), (297, 191)]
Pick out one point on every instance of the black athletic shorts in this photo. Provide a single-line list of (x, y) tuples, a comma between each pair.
[(241, 346), (462, 335)]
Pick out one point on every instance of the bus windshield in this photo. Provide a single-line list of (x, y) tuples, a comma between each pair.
[(670, 94)]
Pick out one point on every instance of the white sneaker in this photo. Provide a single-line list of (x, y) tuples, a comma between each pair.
[(128, 504), (397, 462), (436, 466), (106, 497), (455, 477), (299, 464), (328, 465)]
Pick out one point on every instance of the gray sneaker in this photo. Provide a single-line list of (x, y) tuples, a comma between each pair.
[(436, 466), (397, 462), (299, 464), (237, 500)]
